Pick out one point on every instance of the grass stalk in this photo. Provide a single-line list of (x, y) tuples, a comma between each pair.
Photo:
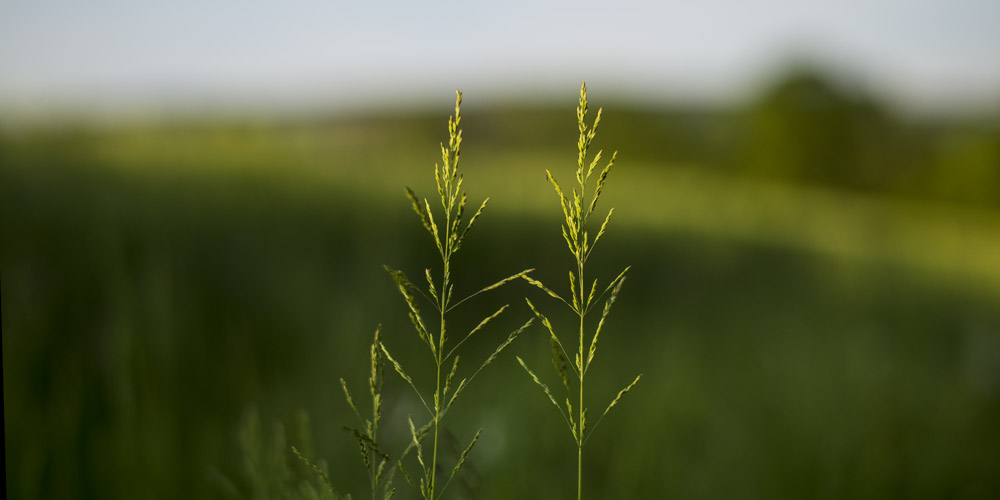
[(448, 238), (577, 209), (375, 459)]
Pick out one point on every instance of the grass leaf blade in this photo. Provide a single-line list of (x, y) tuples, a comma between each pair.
[(416, 443), (319, 472), (350, 400), (419, 209), (451, 376), (494, 286), (548, 326), (600, 232), (461, 460), (476, 329), (545, 289), (492, 357), (604, 316), (545, 389), (404, 376), (473, 220)]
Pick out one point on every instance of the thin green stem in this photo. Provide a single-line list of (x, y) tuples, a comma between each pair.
[(437, 389), (375, 414), (437, 417), (580, 408), (445, 286)]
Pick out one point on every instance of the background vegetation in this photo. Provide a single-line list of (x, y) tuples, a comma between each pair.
[(814, 298)]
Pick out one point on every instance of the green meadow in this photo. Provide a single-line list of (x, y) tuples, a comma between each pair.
[(814, 304)]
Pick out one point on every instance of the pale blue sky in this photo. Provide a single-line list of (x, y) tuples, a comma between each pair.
[(305, 53)]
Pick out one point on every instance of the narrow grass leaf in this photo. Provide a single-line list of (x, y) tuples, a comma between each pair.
[(478, 327), (622, 393), (590, 298), (445, 170), (454, 396), (367, 442), (430, 285), (493, 286), (600, 232), (472, 221), (601, 180), (419, 209), (577, 206), (590, 169), (457, 220), (418, 325), (562, 198), (572, 423), (510, 338), (421, 433), (569, 243), (380, 470), (434, 228), (614, 282), (377, 366), (610, 406), (406, 288), (451, 376), (545, 389), (416, 443), (319, 472), (560, 363), (410, 287), (604, 316), (437, 177), (548, 326), (404, 376), (572, 290), (350, 400), (465, 455), (406, 473), (377, 378), (539, 284)]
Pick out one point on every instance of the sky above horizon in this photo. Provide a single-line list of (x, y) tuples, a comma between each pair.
[(107, 54)]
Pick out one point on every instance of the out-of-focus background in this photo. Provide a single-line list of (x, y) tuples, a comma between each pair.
[(197, 199)]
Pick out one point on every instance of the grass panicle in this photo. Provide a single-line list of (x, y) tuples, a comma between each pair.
[(270, 469), (380, 467), (378, 464), (448, 230), (577, 210)]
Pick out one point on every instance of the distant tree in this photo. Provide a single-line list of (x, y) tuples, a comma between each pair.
[(808, 127)]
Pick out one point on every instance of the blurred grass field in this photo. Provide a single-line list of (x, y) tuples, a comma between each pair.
[(800, 337)]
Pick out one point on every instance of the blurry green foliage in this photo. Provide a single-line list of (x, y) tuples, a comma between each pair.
[(158, 279), (270, 469)]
